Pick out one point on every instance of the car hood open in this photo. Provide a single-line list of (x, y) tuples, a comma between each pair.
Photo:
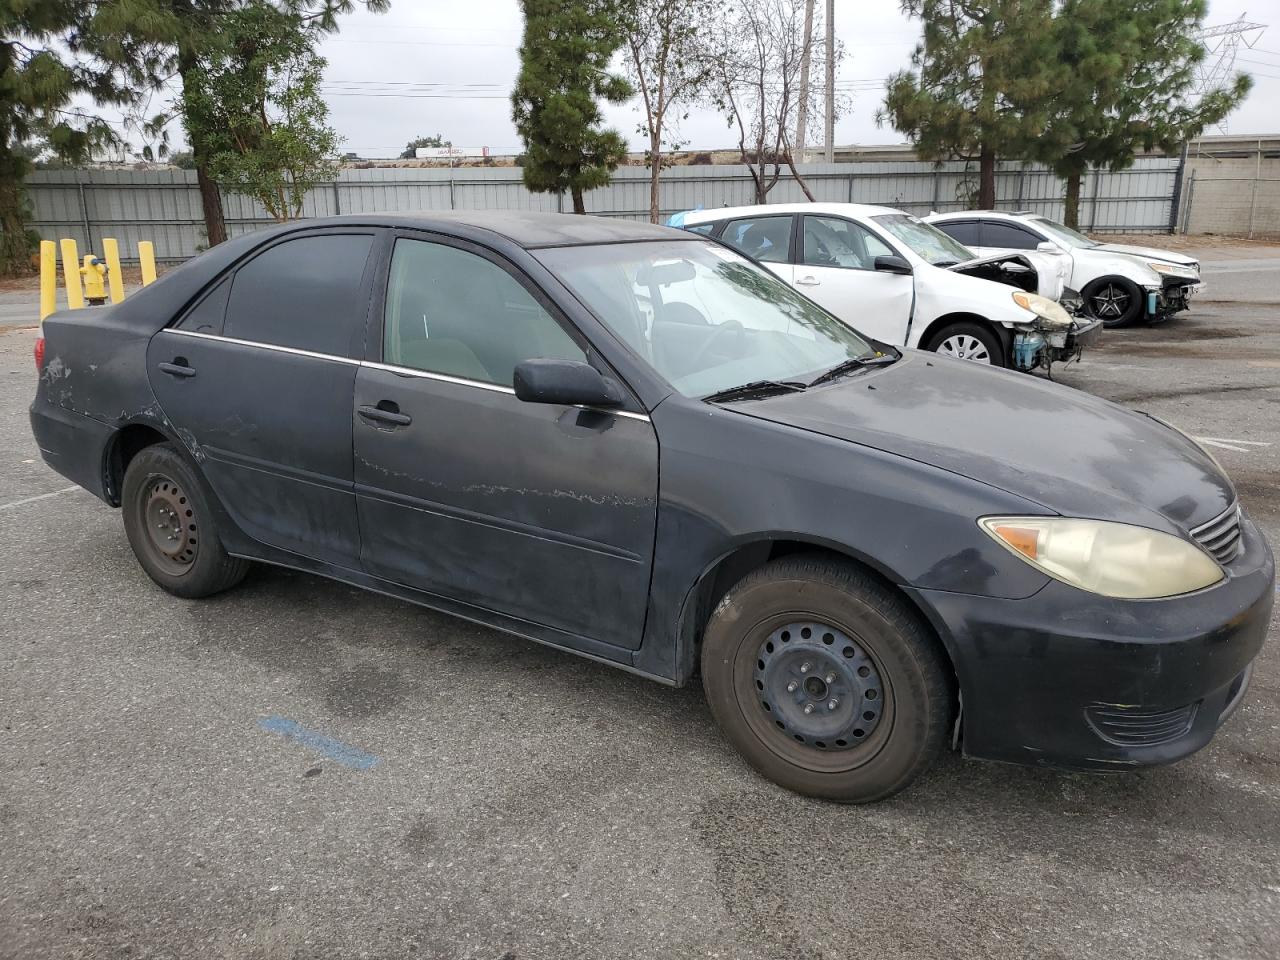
[(1051, 277), (1066, 450)]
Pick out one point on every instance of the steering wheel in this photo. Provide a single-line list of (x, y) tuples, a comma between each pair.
[(720, 333)]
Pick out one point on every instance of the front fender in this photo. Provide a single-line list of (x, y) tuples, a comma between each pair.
[(1121, 265), (941, 293), (729, 479)]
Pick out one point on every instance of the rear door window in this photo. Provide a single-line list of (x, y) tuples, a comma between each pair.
[(1007, 236), (765, 238), (306, 293)]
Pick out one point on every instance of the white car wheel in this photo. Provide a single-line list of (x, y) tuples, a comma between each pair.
[(964, 346)]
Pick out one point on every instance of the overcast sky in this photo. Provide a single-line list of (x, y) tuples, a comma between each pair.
[(428, 67)]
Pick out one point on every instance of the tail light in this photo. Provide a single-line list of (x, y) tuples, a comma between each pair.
[(39, 351)]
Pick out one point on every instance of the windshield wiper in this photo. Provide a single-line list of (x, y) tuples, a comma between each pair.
[(854, 363), (945, 263), (754, 390)]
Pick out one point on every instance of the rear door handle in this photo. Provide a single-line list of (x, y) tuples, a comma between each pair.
[(393, 415), (178, 368), (808, 282)]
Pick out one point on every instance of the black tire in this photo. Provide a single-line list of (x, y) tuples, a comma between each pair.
[(1115, 301), (171, 527), (956, 340), (851, 628)]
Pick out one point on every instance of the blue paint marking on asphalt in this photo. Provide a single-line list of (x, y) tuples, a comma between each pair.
[(336, 750)]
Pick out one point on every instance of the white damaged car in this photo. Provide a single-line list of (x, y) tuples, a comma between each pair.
[(1120, 284), (896, 278)]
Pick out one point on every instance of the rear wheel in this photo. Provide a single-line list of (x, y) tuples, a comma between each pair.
[(970, 341), (1115, 301), (825, 681), (172, 531)]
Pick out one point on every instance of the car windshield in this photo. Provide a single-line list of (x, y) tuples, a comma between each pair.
[(925, 240), (704, 317), (1062, 234)]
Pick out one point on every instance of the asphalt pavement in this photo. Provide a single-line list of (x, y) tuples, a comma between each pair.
[(298, 769)]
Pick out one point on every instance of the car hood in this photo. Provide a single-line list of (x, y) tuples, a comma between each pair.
[(1051, 271), (1071, 452), (1150, 253)]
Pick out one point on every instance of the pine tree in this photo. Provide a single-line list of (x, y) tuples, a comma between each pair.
[(1130, 72), (47, 57), (564, 72), (983, 79)]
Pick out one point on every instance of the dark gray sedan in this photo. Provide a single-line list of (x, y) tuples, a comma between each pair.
[(635, 444)]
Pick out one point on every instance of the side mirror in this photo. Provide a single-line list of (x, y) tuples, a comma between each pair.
[(1048, 246), (892, 264), (569, 382)]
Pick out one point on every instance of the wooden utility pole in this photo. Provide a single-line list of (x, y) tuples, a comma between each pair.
[(802, 109), (830, 142)]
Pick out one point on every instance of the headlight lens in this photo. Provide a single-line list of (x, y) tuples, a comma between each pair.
[(1173, 269), (1042, 307), (1111, 559)]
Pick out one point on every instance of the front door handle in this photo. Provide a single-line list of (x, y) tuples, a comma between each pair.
[(808, 282), (178, 368), (385, 412)]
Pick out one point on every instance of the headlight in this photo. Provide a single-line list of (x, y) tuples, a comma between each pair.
[(1042, 307), (1174, 269), (1111, 559)]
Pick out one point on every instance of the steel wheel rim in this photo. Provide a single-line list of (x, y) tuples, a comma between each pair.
[(170, 523), (1111, 302), (965, 346), (762, 677)]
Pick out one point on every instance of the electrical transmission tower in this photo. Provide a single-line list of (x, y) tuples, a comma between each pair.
[(1221, 44)]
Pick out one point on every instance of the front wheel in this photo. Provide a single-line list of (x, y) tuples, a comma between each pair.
[(974, 342), (1115, 301), (825, 681), (171, 527)]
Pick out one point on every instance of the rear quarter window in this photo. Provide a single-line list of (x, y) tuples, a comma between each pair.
[(963, 231), (207, 315)]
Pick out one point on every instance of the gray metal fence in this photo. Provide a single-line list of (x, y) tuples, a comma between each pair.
[(164, 205)]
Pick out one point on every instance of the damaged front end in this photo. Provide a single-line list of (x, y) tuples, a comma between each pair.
[(1060, 331), (1173, 297), (1054, 336)]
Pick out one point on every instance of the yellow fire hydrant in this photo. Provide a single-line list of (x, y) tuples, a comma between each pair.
[(94, 273)]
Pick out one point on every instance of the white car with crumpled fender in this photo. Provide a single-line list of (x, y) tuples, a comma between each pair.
[(896, 278), (1119, 283)]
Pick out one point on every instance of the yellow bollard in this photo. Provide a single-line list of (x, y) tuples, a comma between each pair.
[(111, 253), (94, 273), (147, 260), (71, 275), (48, 278)]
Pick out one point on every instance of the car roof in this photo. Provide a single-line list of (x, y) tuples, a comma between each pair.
[(530, 229), (839, 209), (1005, 214)]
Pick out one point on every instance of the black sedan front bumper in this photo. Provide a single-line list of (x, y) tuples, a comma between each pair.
[(1070, 679)]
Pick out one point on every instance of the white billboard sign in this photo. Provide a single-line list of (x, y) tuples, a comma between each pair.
[(449, 153)]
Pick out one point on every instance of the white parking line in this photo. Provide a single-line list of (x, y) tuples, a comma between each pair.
[(43, 496), (1229, 443)]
